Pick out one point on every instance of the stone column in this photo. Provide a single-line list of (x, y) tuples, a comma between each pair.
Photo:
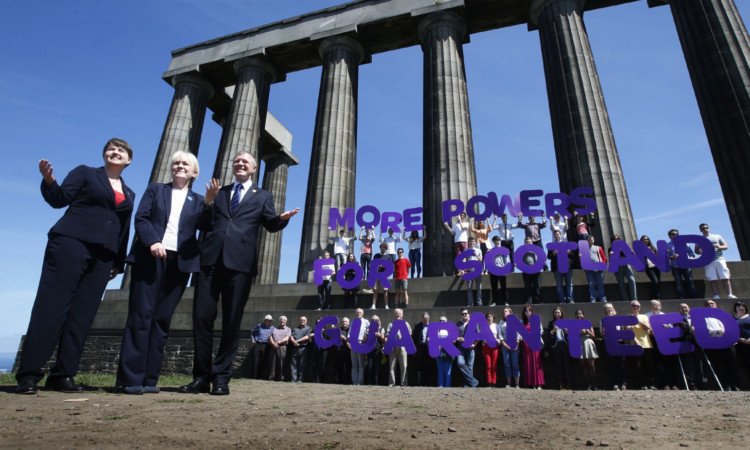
[(247, 116), (584, 144), (717, 52), (448, 150), (331, 182), (184, 123), (182, 131), (275, 178)]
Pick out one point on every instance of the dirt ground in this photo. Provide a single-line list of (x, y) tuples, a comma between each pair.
[(276, 415)]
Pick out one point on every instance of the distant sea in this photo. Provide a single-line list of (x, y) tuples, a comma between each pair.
[(6, 361)]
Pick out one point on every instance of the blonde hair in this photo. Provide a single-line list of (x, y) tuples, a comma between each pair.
[(186, 156)]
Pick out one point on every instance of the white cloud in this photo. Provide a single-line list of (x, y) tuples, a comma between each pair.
[(681, 210)]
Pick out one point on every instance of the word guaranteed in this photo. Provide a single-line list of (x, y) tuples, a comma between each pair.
[(618, 334)]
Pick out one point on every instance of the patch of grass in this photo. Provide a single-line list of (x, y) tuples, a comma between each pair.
[(196, 400), (114, 417), (171, 400), (416, 406), (35, 417), (106, 379)]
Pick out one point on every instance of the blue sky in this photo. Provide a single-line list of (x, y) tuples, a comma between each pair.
[(75, 74)]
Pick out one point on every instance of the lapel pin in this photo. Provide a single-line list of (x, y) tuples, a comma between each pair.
[(254, 191), (190, 198)]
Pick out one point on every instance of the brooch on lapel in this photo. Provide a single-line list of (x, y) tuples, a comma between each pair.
[(254, 191), (190, 198)]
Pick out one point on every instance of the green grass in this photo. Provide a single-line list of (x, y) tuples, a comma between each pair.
[(106, 380)]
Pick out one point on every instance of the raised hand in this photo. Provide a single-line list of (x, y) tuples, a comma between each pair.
[(45, 168)]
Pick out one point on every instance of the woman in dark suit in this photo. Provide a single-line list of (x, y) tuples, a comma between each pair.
[(86, 248), (164, 254)]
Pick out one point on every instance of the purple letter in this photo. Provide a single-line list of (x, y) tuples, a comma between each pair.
[(540, 258), (335, 219), (574, 327), (613, 336), (478, 330), (527, 202), (321, 271), (361, 216), (577, 198), (507, 203), (471, 210), (703, 337), (664, 334), (375, 272), (390, 220), (451, 208), (551, 207), (393, 341), (446, 342), (411, 219), (680, 247), (660, 258), (621, 256), (533, 336), (358, 274), (472, 268), (334, 333), (586, 262), (562, 250), (369, 344), (490, 261)]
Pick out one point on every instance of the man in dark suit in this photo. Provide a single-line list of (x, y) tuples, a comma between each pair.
[(228, 264)]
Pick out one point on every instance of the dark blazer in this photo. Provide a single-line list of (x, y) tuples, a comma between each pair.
[(234, 238), (92, 215), (151, 221)]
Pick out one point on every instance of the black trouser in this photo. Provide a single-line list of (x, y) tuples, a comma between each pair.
[(499, 296)]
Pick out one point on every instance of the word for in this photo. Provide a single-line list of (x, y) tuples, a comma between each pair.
[(618, 331), (479, 207)]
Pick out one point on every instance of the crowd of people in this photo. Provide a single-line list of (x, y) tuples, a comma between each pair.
[(89, 246), (478, 237), (510, 362)]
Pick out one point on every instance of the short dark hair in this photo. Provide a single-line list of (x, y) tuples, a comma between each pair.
[(119, 143), (737, 305)]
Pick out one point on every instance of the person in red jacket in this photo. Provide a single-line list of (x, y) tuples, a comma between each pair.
[(400, 274)]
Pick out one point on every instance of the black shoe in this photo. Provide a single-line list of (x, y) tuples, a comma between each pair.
[(220, 388), (63, 384), (27, 386), (197, 386)]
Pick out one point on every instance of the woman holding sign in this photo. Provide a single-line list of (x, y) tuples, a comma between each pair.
[(531, 360)]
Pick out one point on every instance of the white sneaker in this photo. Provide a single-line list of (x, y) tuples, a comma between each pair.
[(386, 307), (716, 297), (732, 296), (372, 307)]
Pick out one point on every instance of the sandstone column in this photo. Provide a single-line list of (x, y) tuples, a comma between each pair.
[(182, 131), (247, 116), (331, 182), (584, 144), (717, 52), (448, 150), (275, 178)]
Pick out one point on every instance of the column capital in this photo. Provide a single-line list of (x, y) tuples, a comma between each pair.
[(256, 62), (195, 79), (345, 41), (442, 17), (538, 5)]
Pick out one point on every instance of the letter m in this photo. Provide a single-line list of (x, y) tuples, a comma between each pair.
[(335, 218)]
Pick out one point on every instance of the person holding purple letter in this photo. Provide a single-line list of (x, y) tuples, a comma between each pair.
[(681, 275), (563, 281), (365, 250), (460, 233), (415, 250), (444, 361), (588, 354), (557, 346), (616, 363), (595, 277), (465, 360), (531, 360), (510, 351)]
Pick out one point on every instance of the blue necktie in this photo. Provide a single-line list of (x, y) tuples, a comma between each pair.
[(235, 198)]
